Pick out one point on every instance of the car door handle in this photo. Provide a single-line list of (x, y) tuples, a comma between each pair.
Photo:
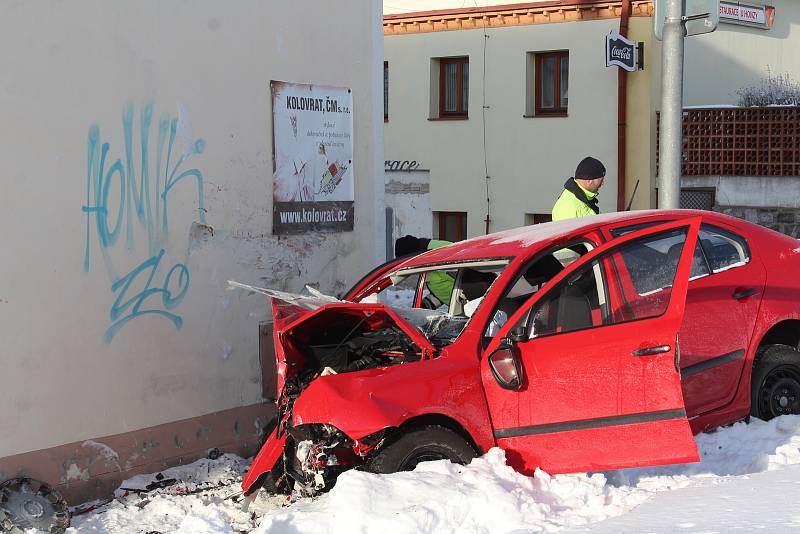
[(650, 351), (740, 294)]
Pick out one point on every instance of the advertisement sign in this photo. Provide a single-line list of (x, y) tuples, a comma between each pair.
[(620, 52), (312, 136), (747, 14)]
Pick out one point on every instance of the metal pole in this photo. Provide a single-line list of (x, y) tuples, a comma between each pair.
[(671, 135)]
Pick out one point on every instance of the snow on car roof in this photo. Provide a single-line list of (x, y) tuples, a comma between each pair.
[(508, 242)]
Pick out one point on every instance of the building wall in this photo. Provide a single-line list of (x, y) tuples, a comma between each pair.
[(115, 314), (528, 159), (640, 141), (408, 206), (771, 201), (717, 64)]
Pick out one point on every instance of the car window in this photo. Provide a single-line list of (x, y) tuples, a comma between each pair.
[(531, 279), (449, 297), (645, 272), (723, 250), (401, 294), (437, 289), (717, 249), (574, 304)]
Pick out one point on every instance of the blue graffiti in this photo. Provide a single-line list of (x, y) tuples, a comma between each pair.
[(138, 201), (132, 305)]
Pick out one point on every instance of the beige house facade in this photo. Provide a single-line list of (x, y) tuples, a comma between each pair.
[(503, 160)]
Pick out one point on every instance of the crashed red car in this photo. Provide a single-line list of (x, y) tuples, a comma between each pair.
[(580, 345)]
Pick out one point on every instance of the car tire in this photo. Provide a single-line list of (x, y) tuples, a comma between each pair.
[(421, 444), (775, 387)]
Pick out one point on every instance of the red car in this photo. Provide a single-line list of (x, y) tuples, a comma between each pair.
[(580, 345)]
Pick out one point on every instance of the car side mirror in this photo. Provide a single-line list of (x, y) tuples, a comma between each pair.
[(506, 366)]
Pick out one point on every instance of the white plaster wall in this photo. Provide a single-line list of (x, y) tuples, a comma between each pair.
[(408, 196), (717, 64), (69, 65), (528, 158), (751, 191)]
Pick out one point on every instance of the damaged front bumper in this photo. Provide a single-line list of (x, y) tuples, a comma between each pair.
[(307, 459)]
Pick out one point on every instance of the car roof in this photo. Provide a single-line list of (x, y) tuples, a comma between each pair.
[(509, 243)]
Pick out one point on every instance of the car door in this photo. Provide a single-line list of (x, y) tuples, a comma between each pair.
[(595, 391), (721, 309), (725, 288)]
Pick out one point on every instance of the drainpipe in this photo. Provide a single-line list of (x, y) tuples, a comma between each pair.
[(622, 115)]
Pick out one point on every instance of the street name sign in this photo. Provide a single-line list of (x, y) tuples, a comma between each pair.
[(748, 14), (699, 16)]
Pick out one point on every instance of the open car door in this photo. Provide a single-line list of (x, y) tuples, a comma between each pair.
[(574, 384)]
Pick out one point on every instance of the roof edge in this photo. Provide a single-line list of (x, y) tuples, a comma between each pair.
[(492, 9), (510, 15)]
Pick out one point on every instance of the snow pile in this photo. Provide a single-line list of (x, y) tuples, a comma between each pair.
[(200, 498), (487, 496), (740, 449)]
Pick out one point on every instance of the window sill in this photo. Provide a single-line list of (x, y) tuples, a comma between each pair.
[(448, 118), (543, 115)]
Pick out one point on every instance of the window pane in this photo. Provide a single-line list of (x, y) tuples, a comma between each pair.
[(401, 294), (646, 272), (548, 82), (450, 86), (722, 252), (438, 289), (465, 96), (451, 227), (564, 80), (572, 305)]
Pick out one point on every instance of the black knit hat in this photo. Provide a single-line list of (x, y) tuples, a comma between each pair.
[(407, 245), (590, 169)]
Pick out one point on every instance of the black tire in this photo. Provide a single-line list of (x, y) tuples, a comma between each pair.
[(421, 444), (775, 388)]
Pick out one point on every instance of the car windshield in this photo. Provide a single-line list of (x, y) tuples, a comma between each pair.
[(438, 300)]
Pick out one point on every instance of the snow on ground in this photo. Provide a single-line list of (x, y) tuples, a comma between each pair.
[(200, 498), (748, 479)]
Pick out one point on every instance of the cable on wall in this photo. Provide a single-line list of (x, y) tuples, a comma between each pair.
[(484, 107)]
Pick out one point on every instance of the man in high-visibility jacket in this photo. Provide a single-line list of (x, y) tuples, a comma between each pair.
[(440, 284), (579, 197)]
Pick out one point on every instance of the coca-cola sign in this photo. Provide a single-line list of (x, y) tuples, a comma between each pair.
[(621, 52)]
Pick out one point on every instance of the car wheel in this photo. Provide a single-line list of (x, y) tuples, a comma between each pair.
[(27, 504), (422, 444), (776, 383)]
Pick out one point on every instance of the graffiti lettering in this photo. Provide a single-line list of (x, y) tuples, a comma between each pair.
[(397, 165), (131, 307), (138, 200)]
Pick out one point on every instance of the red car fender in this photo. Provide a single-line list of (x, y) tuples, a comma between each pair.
[(362, 403), (779, 256), (266, 458)]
